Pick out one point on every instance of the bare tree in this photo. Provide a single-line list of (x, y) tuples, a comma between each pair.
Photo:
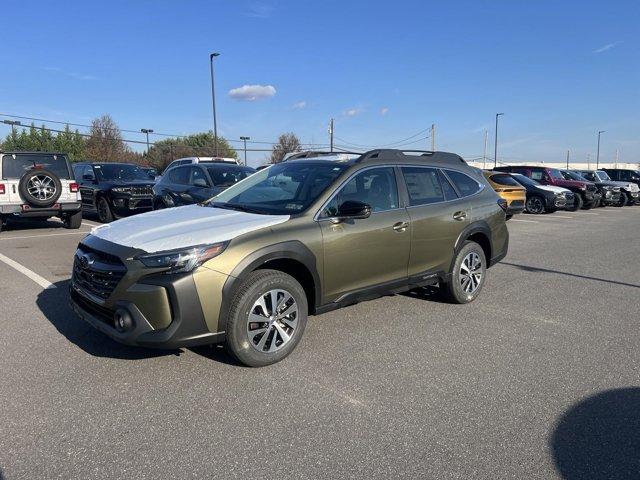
[(287, 143), (105, 143)]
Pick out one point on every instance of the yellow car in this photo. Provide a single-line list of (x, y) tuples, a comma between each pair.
[(508, 189)]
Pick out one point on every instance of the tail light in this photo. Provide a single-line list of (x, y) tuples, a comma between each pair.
[(73, 187), (503, 204), (2, 190)]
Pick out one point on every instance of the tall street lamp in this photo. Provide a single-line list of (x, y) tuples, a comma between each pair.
[(244, 139), (598, 153), (495, 152), (213, 103), (147, 131), (13, 124)]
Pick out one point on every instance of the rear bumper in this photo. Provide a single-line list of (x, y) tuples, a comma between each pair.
[(27, 211)]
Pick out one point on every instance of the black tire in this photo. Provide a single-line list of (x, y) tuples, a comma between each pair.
[(159, 205), (588, 206), (508, 216), (258, 284), (105, 215), (577, 204), (623, 200), (535, 205), (72, 221), (453, 290), (44, 179), (630, 201)]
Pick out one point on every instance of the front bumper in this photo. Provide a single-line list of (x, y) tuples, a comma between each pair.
[(515, 207), (127, 204), (27, 211), (161, 311)]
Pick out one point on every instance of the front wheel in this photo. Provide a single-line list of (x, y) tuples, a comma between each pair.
[(73, 220), (267, 318), (577, 204), (534, 205), (623, 201), (105, 215), (468, 275)]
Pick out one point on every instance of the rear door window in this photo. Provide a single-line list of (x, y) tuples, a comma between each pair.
[(464, 183), (447, 188), (423, 185)]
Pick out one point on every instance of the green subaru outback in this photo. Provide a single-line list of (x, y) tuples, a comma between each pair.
[(301, 237)]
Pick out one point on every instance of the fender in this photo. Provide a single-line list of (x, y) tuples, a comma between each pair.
[(293, 250), (480, 226)]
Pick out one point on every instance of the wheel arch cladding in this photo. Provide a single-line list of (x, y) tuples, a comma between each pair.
[(291, 257), (480, 233)]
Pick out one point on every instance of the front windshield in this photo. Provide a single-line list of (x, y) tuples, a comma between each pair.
[(282, 189), (555, 173), (574, 176), (604, 176), (120, 171), (522, 180)]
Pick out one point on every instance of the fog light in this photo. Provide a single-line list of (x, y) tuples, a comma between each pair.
[(118, 202), (122, 320)]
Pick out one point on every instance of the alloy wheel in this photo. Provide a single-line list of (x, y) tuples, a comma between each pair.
[(41, 187), (471, 273), (535, 205), (272, 321)]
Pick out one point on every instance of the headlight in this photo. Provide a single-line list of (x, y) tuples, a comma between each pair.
[(583, 187), (183, 260), (122, 189)]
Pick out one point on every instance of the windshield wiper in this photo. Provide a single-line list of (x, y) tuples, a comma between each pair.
[(236, 206)]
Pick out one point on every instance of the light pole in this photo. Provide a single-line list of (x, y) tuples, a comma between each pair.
[(495, 152), (13, 124), (147, 131), (598, 152), (244, 139), (213, 103)]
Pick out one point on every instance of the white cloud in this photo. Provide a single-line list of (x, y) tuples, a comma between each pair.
[(384, 110), (606, 47), (252, 92), (300, 105), (352, 112)]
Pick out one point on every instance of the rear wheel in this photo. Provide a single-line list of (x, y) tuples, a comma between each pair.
[(468, 275), (105, 215), (535, 205), (267, 318), (72, 221)]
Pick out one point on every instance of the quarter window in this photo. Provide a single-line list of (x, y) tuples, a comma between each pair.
[(504, 179), (375, 187), (464, 183), (423, 185)]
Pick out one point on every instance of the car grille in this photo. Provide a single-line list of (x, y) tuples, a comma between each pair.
[(102, 313), (142, 190), (98, 276)]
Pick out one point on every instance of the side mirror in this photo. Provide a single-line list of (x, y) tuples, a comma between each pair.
[(353, 209), (200, 182)]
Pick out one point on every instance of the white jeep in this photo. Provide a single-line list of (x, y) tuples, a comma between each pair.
[(38, 185)]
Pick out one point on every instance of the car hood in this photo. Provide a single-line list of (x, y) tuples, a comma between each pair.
[(182, 227), (551, 188), (632, 187)]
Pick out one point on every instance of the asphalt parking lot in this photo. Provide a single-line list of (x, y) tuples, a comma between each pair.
[(539, 378)]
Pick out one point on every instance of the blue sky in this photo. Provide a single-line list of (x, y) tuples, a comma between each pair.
[(560, 71)]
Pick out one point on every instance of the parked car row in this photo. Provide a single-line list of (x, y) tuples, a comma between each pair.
[(536, 189)]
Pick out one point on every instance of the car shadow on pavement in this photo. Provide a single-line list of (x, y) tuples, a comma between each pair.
[(429, 293), (217, 353), (528, 268), (599, 437), (54, 304)]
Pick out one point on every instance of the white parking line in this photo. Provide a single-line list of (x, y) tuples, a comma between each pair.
[(43, 236), (559, 216), (43, 282), (524, 221), (588, 213), (86, 222)]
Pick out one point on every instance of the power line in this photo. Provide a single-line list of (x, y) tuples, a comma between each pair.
[(397, 142)]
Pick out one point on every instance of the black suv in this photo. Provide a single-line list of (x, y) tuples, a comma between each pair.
[(624, 175), (609, 191), (113, 190), (195, 183), (543, 198)]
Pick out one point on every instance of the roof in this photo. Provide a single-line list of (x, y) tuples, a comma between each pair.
[(32, 153), (381, 155)]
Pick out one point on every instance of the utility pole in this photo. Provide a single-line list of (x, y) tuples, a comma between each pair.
[(484, 154), (147, 131), (598, 154), (589, 161), (213, 103), (617, 158), (567, 159), (495, 152), (433, 137), (331, 133), (244, 139)]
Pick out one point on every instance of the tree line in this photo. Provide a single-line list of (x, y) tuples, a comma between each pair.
[(104, 143)]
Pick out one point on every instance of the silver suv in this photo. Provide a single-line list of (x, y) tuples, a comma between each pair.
[(38, 185)]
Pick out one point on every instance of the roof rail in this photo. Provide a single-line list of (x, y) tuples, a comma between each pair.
[(317, 153), (444, 157)]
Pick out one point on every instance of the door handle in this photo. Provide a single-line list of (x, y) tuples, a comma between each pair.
[(460, 215), (400, 226)]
